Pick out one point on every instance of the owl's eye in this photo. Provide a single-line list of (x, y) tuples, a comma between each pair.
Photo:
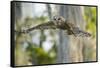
[(59, 18), (54, 18)]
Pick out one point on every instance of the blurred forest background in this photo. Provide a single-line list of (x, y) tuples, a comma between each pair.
[(53, 46)]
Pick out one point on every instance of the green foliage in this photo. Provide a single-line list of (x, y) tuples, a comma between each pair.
[(38, 55), (90, 17), (34, 53), (91, 25)]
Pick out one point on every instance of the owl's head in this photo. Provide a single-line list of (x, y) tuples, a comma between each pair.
[(58, 18)]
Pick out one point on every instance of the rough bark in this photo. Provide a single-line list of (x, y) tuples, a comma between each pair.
[(70, 48)]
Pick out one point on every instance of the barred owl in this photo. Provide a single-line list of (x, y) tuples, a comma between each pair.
[(59, 22)]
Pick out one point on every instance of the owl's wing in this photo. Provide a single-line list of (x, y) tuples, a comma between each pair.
[(47, 25), (70, 26), (78, 32), (74, 30)]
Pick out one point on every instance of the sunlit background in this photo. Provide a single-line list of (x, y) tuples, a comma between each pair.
[(53, 46)]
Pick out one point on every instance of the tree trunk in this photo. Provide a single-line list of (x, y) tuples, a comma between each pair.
[(49, 11), (70, 47)]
